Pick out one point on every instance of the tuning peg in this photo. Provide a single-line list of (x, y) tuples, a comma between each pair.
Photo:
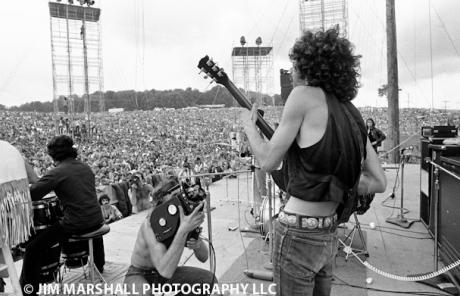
[(220, 74), (210, 63), (215, 68), (205, 77)]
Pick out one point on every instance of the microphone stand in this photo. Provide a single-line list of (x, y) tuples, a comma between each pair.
[(266, 275), (400, 220), (208, 216)]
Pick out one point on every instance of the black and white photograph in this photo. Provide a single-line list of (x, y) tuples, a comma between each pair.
[(238, 148)]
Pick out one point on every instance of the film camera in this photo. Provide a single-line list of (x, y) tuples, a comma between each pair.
[(165, 218)]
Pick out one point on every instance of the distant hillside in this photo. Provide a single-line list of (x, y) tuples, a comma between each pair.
[(147, 100)]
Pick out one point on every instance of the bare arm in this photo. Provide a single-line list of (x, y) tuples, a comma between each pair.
[(134, 198), (199, 248), (167, 260), (31, 175), (373, 178), (270, 154)]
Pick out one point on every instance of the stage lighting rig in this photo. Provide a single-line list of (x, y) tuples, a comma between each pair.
[(87, 2)]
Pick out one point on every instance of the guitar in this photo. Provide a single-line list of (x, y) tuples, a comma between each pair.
[(210, 68)]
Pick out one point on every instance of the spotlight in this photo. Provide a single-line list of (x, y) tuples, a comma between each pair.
[(242, 41), (70, 1), (82, 2)]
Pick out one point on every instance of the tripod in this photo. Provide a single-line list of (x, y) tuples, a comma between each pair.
[(400, 220), (347, 248)]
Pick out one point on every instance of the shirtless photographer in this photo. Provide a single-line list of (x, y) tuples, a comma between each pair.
[(155, 263)]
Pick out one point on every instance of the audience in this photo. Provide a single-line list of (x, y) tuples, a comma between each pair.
[(134, 153)]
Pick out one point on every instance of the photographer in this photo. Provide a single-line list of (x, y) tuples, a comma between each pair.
[(140, 193), (154, 262)]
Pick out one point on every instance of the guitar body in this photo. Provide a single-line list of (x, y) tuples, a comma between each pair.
[(364, 203), (207, 66)]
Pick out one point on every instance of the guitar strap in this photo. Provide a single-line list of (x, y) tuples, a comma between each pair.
[(351, 195)]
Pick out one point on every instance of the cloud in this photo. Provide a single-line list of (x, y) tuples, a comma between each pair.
[(178, 33)]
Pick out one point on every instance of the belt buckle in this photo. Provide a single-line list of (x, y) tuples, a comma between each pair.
[(282, 217), (309, 223), (292, 220), (327, 222)]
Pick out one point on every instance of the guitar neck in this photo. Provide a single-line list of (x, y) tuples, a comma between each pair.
[(244, 102)]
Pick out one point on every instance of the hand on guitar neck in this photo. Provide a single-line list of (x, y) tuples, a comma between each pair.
[(210, 68)]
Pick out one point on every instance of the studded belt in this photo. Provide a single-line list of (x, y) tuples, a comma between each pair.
[(307, 222)]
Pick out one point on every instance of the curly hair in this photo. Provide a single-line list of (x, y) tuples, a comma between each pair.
[(326, 60)]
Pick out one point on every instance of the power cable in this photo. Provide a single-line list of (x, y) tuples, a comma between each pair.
[(344, 283), (422, 93), (445, 30), (348, 250), (279, 20)]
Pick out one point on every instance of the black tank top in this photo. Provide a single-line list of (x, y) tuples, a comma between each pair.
[(323, 171)]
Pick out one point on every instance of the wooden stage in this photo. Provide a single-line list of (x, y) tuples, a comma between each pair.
[(391, 248)]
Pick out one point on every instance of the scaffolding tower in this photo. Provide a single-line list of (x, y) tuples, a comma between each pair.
[(323, 15), (253, 69), (76, 50)]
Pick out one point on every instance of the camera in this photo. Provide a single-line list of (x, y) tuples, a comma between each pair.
[(133, 180), (191, 197), (165, 217)]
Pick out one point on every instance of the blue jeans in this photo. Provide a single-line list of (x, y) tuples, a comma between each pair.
[(302, 260), (183, 275)]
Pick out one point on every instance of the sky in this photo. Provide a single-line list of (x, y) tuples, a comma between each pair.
[(153, 44)]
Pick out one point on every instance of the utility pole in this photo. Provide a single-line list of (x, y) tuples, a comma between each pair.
[(392, 72)]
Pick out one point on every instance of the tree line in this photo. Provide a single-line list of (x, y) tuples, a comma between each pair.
[(147, 100)]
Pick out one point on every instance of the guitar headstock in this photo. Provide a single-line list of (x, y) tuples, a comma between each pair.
[(210, 68)]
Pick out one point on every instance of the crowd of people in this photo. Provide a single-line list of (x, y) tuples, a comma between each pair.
[(164, 141), (148, 144), (412, 119), (167, 142)]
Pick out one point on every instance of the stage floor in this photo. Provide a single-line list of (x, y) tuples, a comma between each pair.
[(391, 248)]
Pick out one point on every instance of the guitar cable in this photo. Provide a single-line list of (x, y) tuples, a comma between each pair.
[(213, 252), (348, 250)]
